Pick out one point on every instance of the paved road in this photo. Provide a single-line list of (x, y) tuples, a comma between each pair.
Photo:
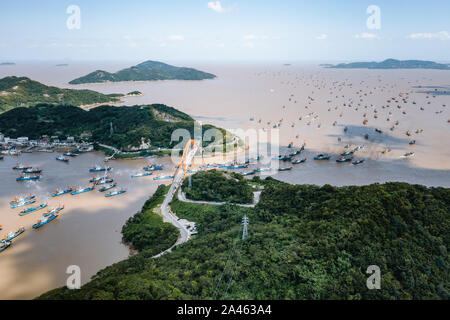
[(256, 196), (168, 215)]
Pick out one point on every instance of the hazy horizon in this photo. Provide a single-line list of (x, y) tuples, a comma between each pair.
[(226, 30)]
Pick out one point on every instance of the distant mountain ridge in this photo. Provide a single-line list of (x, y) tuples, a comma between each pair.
[(24, 92), (148, 70), (392, 64)]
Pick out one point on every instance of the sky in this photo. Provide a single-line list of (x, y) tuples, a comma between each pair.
[(226, 30)]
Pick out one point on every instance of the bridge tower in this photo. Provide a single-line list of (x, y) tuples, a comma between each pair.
[(185, 160)]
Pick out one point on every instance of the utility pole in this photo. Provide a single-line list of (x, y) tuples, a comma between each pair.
[(245, 231)]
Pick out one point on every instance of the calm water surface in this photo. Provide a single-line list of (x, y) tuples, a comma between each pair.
[(88, 233)]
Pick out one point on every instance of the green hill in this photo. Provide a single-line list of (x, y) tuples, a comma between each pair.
[(304, 242), (148, 70), (392, 64), (24, 92), (132, 126)]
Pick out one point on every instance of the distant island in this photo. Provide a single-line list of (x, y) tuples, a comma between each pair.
[(128, 128), (24, 92), (7, 64), (62, 65), (391, 64), (148, 70)]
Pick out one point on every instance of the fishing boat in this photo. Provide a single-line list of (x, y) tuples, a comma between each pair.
[(70, 154), (347, 153), (60, 192), (322, 157), (293, 154), (303, 147), (104, 180), (412, 142), (298, 161), (32, 209), (53, 211), (409, 154), (13, 235), (61, 158), (107, 187), (22, 204), (249, 173), (262, 169), (237, 166), (32, 170), (358, 161), (45, 220), (141, 174), (98, 178), (153, 167), (163, 177), (358, 148), (344, 159), (5, 246), (17, 200), (27, 178), (19, 166), (283, 158), (285, 169), (100, 169), (82, 190), (208, 166), (115, 193)]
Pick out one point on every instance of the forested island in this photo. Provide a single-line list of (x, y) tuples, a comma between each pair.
[(391, 64), (126, 128), (304, 242), (24, 92), (148, 70)]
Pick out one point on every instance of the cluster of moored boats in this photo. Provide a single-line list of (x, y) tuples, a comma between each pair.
[(27, 173), (25, 204), (346, 156)]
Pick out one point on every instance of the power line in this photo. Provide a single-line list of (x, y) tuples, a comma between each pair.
[(245, 231), (234, 256)]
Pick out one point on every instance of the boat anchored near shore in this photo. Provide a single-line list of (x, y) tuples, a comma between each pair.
[(115, 193)]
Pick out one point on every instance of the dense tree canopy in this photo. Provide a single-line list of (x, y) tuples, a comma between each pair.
[(305, 242), (217, 186), (130, 125)]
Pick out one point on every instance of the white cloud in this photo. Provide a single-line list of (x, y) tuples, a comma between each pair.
[(216, 6), (249, 45), (249, 37), (252, 37), (442, 35), (322, 37), (176, 37), (366, 35)]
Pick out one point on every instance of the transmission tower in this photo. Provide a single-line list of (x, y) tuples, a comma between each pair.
[(245, 232)]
